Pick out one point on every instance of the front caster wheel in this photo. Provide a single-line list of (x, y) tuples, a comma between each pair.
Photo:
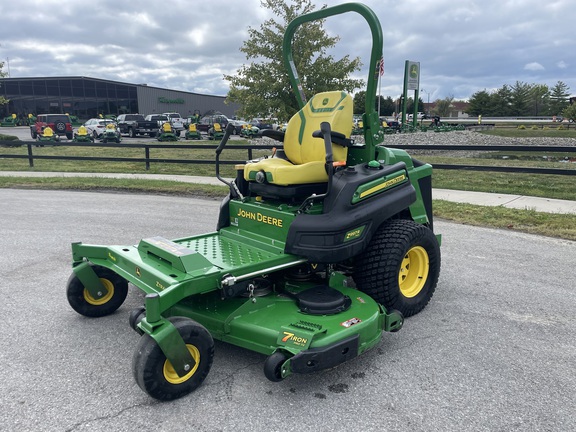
[(273, 366), (155, 374), (85, 304)]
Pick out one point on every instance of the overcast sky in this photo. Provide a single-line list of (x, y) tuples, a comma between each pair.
[(462, 45)]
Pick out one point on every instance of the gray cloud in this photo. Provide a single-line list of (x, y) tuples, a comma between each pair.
[(462, 46)]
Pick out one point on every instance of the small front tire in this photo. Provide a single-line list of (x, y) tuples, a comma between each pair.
[(273, 366), (155, 374), (85, 304)]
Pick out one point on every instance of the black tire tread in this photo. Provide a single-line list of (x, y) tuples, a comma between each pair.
[(75, 294), (148, 361), (377, 270)]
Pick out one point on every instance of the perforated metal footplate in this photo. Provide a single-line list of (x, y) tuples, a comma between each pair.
[(227, 253)]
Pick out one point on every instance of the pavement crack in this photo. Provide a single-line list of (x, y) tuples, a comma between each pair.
[(110, 416)]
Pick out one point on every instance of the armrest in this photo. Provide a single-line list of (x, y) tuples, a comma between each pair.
[(274, 134), (336, 138)]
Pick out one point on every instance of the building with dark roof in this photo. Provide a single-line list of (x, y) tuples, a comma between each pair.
[(86, 97)]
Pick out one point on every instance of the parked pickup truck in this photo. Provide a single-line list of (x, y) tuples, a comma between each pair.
[(134, 125)]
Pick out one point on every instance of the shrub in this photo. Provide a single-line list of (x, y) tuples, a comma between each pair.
[(10, 138), (521, 127)]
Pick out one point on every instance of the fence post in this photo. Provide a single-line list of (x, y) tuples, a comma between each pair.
[(147, 156), (30, 156), (250, 154)]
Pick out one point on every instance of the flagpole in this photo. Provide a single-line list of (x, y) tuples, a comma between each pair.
[(379, 93), (380, 73)]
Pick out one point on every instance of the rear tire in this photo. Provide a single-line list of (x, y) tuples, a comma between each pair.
[(400, 267)]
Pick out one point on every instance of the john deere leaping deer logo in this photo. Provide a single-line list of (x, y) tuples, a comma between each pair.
[(414, 71)]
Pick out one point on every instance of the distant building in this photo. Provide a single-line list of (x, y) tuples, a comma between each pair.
[(457, 109), (87, 97)]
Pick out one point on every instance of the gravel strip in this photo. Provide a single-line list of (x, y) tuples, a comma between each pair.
[(454, 138), (472, 138)]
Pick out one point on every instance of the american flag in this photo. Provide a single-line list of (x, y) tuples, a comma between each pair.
[(381, 66)]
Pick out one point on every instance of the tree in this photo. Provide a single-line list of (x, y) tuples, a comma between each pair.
[(559, 95), (479, 104), (520, 98), (539, 99), (3, 100), (500, 102), (570, 112), (360, 102), (262, 86), (387, 105), (410, 106), (442, 106)]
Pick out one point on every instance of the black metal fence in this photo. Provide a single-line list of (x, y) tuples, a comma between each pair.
[(148, 159)]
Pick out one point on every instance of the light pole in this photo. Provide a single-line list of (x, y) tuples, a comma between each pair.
[(428, 104)]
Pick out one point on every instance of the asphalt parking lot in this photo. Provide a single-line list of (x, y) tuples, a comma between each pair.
[(493, 351)]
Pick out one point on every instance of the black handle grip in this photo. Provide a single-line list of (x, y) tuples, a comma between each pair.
[(227, 133)]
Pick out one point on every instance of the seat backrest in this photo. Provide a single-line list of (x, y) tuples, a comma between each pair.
[(192, 127), (166, 127), (82, 130), (48, 132), (336, 108), (217, 127)]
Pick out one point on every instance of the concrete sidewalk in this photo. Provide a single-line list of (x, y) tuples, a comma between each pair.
[(547, 205)]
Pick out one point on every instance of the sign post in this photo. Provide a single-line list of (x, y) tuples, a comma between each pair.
[(411, 82)]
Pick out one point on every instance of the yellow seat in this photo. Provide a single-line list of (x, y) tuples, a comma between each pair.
[(48, 132), (307, 155), (217, 127), (192, 127), (166, 127), (82, 131)]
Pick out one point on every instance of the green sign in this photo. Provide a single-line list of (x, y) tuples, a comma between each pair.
[(413, 75), (169, 101)]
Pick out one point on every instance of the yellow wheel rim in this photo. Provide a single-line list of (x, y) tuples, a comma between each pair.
[(413, 272), (171, 375), (105, 298)]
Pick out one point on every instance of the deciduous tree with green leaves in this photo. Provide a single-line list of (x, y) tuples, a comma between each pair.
[(443, 106), (570, 112), (387, 105), (262, 87)]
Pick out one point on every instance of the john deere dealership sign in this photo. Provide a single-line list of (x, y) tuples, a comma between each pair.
[(413, 75), (171, 101)]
